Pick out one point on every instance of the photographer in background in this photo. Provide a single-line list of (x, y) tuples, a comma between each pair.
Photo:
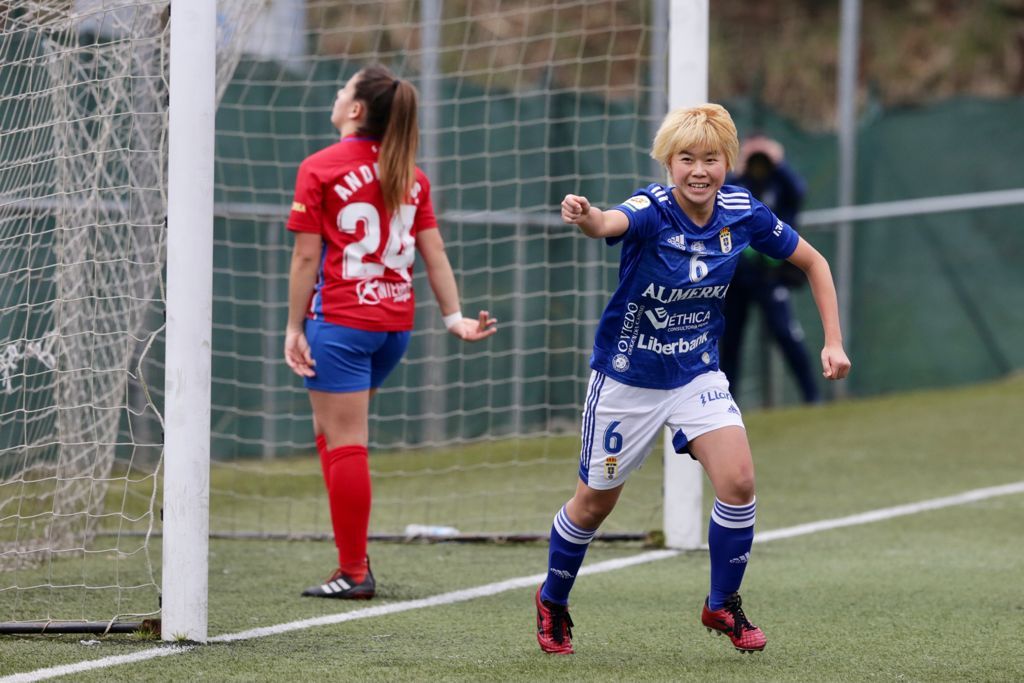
[(762, 280)]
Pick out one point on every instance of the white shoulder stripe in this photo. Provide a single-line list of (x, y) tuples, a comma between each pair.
[(733, 194), (733, 204)]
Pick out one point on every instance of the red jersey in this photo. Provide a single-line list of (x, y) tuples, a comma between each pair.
[(365, 276)]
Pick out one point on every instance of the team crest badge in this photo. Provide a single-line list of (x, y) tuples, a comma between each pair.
[(611, 466), (620, 362), (725, 240)]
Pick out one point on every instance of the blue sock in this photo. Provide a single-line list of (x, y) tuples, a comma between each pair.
[(567, 547), (730, 535)]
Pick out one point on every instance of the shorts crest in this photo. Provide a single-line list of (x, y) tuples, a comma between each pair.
[(611, 466)]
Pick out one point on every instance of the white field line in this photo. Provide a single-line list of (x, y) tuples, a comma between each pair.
[(68, 669), (889, 513), (513, 584)]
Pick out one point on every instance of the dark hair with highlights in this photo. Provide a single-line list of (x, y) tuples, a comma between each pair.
[(391, 117)]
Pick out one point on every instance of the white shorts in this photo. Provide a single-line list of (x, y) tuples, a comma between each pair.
[(621, 422)]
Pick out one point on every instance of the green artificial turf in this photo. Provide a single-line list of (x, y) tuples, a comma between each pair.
[(933, 596)]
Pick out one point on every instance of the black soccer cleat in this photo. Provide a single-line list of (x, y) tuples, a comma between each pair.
[(342, 587)]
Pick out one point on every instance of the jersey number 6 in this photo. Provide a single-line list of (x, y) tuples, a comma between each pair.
[(698, 269), (612, 439)]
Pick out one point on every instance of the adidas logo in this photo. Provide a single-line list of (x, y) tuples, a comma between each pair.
[(562, 574), (336, 586), (742, 559), (677, 241)]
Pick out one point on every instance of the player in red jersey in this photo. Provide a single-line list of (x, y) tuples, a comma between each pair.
[(361, 208)]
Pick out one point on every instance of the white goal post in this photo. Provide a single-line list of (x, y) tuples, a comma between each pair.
[(687, 86), (186, 495)]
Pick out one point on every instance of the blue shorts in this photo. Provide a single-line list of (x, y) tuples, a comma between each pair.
[(351, 360)]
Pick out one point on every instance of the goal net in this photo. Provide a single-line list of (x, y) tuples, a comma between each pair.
[(521, 102), (83, 93)]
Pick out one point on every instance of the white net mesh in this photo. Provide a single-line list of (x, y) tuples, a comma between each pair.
[(82, 205), (521, 102)]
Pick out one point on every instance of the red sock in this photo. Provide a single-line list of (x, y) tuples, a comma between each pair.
[(349, 492), (325, 465)]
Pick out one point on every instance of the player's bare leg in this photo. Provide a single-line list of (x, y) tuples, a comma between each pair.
[(725, 455), (589, 507), (343, 418)]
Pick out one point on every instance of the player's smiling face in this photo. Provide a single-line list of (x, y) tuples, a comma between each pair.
[(698, 174)]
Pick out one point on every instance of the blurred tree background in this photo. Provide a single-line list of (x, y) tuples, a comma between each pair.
[(912, 53)]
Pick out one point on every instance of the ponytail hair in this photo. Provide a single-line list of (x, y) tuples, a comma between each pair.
[(391, 105)]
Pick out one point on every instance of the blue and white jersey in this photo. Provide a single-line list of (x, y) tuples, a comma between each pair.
[(661, 327)]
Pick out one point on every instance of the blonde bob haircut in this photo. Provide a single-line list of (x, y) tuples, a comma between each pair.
[(706, 126)]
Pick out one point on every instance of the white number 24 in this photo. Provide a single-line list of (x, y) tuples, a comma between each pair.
[(398, 253)]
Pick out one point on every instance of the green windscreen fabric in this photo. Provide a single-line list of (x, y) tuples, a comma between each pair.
[(937, 299)]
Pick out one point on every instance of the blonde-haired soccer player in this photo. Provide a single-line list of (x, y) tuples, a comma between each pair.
[(655, 359)]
